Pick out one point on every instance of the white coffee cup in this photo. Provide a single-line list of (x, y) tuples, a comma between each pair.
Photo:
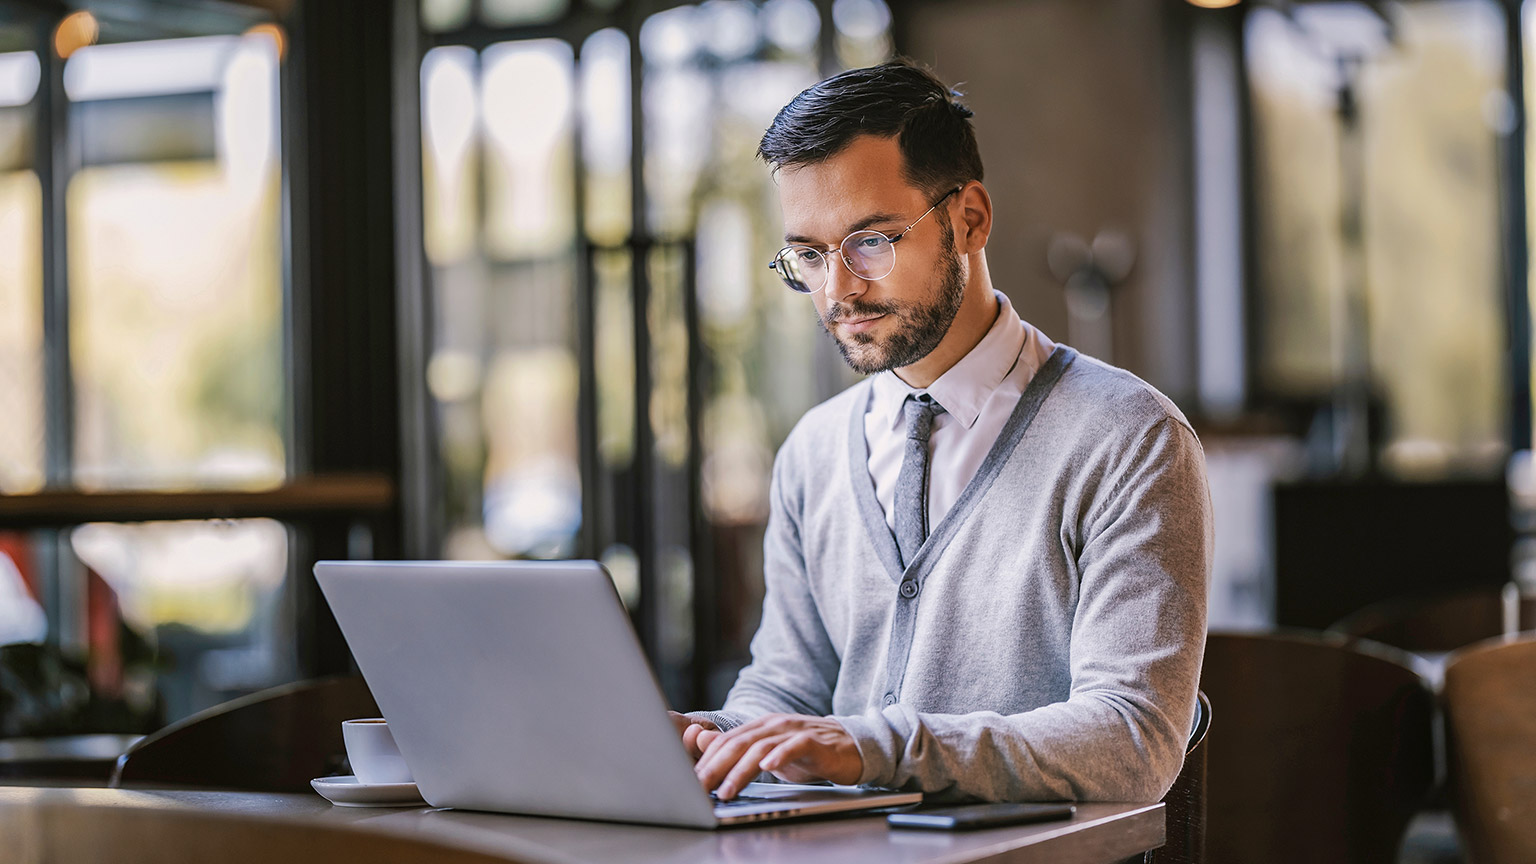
[(372, 751)]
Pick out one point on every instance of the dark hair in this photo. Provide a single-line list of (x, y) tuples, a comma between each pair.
[(931, 126)]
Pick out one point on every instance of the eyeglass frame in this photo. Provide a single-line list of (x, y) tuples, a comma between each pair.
[(826, 253)]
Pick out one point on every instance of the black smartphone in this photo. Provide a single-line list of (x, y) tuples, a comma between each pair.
[(970, 816)]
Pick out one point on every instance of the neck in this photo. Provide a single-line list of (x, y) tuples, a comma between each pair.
[(978, 311)]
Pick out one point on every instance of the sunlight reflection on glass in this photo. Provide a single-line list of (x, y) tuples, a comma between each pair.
[(670, 37), (154, 68), (863, 32), (440, 15), (19, 74), (605, 130), (732, 28), (677, 108), (247, 106), (21, 333), (450, 116), (506, 13), (526, 98), (792, 25), (532, 485)]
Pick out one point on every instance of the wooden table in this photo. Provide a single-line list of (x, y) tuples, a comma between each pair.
[(128, 826)]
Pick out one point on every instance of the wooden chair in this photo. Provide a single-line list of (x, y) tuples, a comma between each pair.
[(1441, 622), (1325, 751), (1185, 801), (273, 741), (1490, 714)]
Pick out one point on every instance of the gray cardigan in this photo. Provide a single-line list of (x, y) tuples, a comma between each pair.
[(1046, 641)]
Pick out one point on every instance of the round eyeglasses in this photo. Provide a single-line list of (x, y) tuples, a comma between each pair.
[(867, 254)]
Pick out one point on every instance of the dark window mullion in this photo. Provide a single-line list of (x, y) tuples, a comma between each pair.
[(643, 467), (1516, 237), (590, 539), (62, 587), (53, 158)]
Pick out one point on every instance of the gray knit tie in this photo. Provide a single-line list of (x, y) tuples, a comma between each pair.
[(912, 482)]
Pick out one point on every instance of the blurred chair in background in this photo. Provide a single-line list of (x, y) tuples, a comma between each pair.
[(1441, 622), (273, 741), (1325, 751), (1490, 708)]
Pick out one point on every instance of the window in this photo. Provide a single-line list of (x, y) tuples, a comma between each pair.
[(170, 359), (1411, 314), (673, 344)]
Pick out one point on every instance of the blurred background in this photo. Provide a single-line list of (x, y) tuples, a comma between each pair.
[(286, 280)]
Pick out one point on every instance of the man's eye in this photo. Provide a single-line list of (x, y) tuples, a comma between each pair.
[(871, 242), (810, 256)]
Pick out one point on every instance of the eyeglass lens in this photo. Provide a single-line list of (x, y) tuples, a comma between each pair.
[(867, 254)]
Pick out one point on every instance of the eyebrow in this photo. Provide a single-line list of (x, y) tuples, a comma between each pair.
[(867, 221)]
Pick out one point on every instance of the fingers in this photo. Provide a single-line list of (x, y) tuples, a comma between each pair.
[(731, 760), (696, 738), (789, 750), (795, 748), (690, 728), (747, 768), (736, 764), (704, 737), (727, 754)]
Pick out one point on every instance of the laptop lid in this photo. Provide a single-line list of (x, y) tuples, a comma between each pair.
[(516, 687)]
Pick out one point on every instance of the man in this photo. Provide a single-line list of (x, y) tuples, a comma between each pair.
[(985, 565)]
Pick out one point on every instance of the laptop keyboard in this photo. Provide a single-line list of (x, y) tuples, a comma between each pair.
[(739, 800)]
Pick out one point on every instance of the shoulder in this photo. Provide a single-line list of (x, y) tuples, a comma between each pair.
[(1113, 402), (820, 438)]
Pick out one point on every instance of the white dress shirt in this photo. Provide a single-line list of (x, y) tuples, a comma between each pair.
[(978, 393)]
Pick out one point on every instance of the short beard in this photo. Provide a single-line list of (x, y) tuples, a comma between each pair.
[(921, 326)]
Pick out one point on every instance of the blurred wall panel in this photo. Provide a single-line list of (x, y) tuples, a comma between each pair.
[(1082, 116)]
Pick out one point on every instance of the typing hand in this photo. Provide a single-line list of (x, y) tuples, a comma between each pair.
[(794, 747), (690, 728)]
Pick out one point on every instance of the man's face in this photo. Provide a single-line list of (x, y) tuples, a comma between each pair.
[(886, 323)]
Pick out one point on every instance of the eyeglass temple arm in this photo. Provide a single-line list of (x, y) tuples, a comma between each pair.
[(935, 206)]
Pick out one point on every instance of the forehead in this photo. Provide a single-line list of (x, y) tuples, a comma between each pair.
[(823, 200)]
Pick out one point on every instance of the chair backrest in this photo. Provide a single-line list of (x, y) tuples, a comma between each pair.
[(1185, 802), (273, 741), (1325, 751), (1490, 713), (1439, 622)]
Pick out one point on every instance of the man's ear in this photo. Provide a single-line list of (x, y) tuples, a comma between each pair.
[(975, 218)]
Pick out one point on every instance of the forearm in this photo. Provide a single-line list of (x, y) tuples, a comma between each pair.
[(1096, 747)]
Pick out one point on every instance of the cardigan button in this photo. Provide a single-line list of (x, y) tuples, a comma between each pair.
[(909, 589), (889, 700)]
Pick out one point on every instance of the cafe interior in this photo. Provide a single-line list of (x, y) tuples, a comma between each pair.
[(284, 281)]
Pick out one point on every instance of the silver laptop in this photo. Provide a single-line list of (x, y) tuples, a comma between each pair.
[(520, 687)]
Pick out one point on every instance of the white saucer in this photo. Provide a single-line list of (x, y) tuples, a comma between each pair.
[(348, 791)]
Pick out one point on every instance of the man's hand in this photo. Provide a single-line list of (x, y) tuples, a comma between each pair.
[(690, 728), (794, 747)]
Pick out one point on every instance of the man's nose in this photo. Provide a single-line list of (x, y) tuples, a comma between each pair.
[(841, 282)]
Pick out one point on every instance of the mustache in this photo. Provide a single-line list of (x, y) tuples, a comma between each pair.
[(838, 311)]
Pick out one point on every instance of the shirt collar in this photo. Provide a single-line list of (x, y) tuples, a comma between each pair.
[(965, 387)]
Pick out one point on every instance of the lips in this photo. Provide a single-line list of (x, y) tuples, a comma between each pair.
[(859, 325)]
